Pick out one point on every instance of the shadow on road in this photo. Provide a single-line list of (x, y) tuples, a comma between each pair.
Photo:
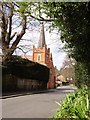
[(62, 89), (58, 90)]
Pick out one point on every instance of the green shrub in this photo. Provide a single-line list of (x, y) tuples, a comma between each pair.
[(81, 75), (75, 105), (26, 69), (9, 83), (21, 68)]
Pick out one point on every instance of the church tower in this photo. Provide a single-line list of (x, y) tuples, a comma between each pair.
[(42, 55)]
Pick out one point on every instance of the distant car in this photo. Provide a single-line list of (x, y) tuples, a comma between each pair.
[(65, 83), (58, 83)]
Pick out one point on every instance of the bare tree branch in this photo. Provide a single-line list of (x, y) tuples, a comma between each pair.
[(13, 35), (10, 24), (19, 36), (23, 50)]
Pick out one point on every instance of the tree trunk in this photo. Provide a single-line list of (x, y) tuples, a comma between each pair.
[(6, 37)]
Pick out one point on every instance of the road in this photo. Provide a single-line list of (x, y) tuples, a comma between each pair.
[(42, 105)]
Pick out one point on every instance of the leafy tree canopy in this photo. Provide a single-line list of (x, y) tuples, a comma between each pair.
[(73, 21)]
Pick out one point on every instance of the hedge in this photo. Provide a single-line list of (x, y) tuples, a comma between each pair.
[(27, 69)]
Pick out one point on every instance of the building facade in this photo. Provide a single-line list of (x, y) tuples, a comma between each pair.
[(42, 55)]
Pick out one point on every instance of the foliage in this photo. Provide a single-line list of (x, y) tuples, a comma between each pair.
[(13, 15), (9, 83), (72, 19), (57, 72), (68, 69), (9, 38), (81, 75), (23, 68), (75, 105)]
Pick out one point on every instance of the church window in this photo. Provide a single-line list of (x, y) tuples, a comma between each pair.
[(39, 57)]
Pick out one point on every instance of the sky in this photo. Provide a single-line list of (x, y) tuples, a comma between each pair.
[(31, 38), (52, 40)]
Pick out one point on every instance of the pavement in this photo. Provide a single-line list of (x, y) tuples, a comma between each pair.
[(16, 94)]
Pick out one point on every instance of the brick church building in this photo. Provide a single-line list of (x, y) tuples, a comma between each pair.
[(42, 55)]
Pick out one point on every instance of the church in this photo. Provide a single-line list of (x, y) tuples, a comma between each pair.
[(42, 55)]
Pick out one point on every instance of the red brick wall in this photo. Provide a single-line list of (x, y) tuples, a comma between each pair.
[(46, 59)]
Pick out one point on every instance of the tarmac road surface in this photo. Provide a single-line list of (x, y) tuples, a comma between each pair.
[(41, 105)]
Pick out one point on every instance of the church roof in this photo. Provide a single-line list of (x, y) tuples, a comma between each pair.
[(41, 42)]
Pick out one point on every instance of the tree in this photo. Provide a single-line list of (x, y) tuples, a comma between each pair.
[(81, 75), (68, 69), (73, 20), (7, 12), (13, 14), (57, 72)]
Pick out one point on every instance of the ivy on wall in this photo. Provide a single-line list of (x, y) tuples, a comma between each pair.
[(24, 68)]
